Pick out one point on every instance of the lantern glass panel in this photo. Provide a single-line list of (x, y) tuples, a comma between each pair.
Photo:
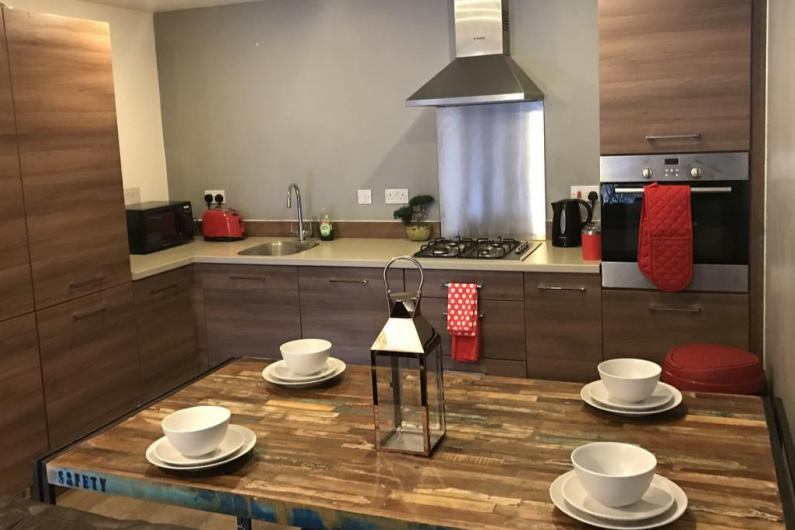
[(400, 410), (435, 395)]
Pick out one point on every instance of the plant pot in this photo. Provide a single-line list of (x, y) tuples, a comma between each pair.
[(418, 232)]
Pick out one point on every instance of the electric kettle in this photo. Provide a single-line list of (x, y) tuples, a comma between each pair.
[(567, 222)]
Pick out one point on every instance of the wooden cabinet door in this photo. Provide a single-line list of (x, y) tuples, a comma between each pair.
[(69, 154), (648, 324), (89, 358), (166, 331), (679, 70), (564, 326), (16, 291), (22, 420), (249, 310), (346, 306)]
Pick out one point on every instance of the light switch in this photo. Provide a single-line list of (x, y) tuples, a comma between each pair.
[(365, 196)]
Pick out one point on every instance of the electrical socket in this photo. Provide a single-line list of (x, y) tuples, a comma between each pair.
[(365, 196), (584, 191), (399, 196), (216, 192), (132, 196)]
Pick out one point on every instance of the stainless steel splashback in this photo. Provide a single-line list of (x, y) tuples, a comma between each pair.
[(492, 170)]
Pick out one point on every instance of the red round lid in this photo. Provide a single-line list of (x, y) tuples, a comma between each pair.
[(713, 363)]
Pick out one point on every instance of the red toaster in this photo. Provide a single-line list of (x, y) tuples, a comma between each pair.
[(223, 224)]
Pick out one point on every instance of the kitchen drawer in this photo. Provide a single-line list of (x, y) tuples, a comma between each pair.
[(346, 306), (496, 367), (502, 327), (166, 331), (89, 359), (647, 324), (563, 316), (249, 310), (495, 285), (23, 423)]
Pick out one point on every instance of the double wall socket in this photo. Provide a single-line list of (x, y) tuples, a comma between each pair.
[(217, 192), (581, 192), (399, 196)]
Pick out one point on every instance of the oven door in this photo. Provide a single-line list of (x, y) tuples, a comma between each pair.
[(720, 212)]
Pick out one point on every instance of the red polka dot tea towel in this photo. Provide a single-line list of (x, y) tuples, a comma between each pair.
[(463, 321)]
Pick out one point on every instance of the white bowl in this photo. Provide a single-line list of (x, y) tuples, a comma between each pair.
[(306, 356), (614, 474), (629, 380), (198, 430)]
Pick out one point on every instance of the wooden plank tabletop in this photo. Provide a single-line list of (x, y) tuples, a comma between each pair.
[(314, 465)]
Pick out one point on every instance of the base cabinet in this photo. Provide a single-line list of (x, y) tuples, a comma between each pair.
[(166, 333), (563, 317), (249, 310), (23, 424), (648, 324), (89, 359)]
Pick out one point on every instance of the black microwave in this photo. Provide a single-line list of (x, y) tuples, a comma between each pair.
[(153, 226)]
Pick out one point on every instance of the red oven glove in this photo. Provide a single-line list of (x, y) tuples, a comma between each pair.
[(665, 239)]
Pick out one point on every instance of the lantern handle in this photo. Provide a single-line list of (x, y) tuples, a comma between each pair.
[(412, 260)]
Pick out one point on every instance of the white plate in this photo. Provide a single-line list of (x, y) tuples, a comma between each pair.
[(280, 370), (658, 398), (168, 454), (673, 513), (655, 501), (585, 394), (249, 441), (339, 367)]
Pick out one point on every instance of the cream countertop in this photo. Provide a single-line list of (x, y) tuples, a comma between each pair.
[(352, 252)]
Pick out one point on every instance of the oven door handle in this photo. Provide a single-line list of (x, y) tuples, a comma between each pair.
[(726, 189)]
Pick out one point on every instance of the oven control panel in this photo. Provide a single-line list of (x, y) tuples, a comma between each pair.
[(673, 168)]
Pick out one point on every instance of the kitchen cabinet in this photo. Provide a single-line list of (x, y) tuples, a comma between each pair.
[(346, 306), (90, 365), (249, 310), (16, 290), (674, 76), (493, 285), (563, 319), (62, 80), (647, 324), (166, 332), (22, 418)]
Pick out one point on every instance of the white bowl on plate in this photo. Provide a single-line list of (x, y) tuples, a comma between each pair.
[(196, 431), (306, 356), (629, 380), (614, 474)]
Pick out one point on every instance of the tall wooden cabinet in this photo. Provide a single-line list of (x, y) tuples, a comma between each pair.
[(674, 76)]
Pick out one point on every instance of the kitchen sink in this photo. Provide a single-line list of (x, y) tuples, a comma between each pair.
[(279, 248)]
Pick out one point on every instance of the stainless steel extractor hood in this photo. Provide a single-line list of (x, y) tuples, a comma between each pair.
[(483, 71)]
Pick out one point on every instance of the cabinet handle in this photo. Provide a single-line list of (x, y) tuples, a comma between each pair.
[(447, 285), (560, 288), (250, 278), (90, 313), (717, 189), (85, 283), (663, 309), (691, 136), (162, 288), (344, 280), (480, 315)]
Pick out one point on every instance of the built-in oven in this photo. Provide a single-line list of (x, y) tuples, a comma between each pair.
[(720, 202)]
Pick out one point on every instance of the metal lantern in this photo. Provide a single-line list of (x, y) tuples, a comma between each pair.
[(408, 389)]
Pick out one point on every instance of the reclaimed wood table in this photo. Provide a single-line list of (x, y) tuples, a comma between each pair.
[(315, 466)]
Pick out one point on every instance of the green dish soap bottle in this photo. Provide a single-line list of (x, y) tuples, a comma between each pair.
[(326, 226)]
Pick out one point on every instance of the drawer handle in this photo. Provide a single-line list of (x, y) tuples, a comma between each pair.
[(560, 288), (344, 280), (447, 285), (162, 288), (663, 309), (85, 283), (480, 315), (655, 137), (250, 278), (90, 313)]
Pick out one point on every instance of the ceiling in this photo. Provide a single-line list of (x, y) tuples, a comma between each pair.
[(167, 5)]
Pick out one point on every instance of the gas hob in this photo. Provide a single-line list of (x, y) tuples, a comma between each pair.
[(466, 248)]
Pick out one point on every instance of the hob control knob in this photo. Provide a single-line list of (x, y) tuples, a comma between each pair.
[(647, 173), (696, 173)]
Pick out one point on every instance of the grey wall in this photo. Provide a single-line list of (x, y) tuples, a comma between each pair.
[(780, 223), (257, 95)]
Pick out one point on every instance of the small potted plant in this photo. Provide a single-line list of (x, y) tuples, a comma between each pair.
[(413, 215)]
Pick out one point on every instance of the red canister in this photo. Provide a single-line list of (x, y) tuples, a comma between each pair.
[(592, 242)]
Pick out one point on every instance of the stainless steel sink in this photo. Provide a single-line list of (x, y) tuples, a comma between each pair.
[(279, 248)]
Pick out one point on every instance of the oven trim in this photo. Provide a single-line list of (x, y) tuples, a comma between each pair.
[(706, 277), (711, 167)]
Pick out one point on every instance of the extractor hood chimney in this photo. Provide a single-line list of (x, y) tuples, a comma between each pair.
[(483, 71)]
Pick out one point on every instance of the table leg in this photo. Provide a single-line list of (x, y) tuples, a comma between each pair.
[(43, 491), (243, 524)]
